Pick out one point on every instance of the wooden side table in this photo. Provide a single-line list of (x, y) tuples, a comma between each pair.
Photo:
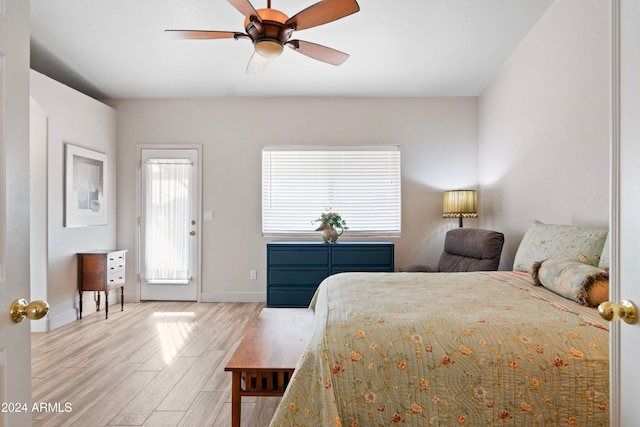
[(101, 271), (268, 354)]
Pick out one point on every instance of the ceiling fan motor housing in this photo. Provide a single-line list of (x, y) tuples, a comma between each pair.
[(268, 33), (270, 30)]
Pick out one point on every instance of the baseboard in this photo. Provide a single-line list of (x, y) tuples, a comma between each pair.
[(214, 297), (41, 325), (131, 297), (71, 315), (233, 297), (54, 322)]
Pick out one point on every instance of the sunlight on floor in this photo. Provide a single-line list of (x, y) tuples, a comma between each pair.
[(173, 314), (174, 332)]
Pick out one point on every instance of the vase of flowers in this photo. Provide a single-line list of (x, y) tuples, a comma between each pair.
[(330, 223)]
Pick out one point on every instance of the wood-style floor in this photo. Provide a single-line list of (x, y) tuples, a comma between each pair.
[(155, 364)]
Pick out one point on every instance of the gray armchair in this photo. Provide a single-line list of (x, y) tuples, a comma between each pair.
[(466, 249)]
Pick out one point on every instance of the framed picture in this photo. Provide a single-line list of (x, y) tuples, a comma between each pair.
[(86, 195)]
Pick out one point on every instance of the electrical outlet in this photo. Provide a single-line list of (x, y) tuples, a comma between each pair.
[(208, 215), (253, 274)]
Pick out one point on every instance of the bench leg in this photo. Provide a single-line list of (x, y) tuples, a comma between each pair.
[(236, 382)]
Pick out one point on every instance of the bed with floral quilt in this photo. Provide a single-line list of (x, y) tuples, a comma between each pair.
[(450, 349)]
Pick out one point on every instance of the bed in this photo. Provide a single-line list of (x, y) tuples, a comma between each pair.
[(483, 348)]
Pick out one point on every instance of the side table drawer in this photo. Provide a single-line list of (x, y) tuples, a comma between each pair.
[(116, 258), (116, 268), (115, 278)]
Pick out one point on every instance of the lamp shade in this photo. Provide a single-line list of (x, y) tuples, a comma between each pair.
[(460, 204)]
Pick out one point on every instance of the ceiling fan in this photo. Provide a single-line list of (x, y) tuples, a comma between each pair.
[(270, 30)]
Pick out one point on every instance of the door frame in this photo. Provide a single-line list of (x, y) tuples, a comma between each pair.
[(139, 210), (615, 409)]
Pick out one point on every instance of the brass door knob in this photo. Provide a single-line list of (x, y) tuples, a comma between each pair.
[(34, 310), (612, 312), (192, 233)]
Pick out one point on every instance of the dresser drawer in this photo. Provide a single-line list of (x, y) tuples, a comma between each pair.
[(288, 297), (296, 269), (116, 258), (299, 256), (296, 277), (115, 277), (355, 257)]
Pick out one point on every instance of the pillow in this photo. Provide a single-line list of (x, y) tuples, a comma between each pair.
[(573, 243), (585, 284), (605, 255)]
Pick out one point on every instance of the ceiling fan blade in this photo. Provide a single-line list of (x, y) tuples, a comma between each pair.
[(322, 12), (198, 34), (257, 64), (319, 52), (245, 8)]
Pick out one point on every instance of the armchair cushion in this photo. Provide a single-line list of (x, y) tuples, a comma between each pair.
[(417, 268), (466, 249), (471, 249)]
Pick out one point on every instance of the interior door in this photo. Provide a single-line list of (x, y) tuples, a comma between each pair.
[(625, 339), (15, 345), (169, 223)]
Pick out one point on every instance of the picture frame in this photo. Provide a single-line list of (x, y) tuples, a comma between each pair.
[(86, 187)]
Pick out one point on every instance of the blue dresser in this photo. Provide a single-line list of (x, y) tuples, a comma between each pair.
[(296, 268)]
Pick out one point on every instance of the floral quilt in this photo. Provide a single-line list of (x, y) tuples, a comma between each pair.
[(448, 349)]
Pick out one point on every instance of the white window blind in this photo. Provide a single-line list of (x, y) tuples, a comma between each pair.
[(362, 184)]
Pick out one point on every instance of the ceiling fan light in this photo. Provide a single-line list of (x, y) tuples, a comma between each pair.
[(268, 48), (269, 15), (272, 15)]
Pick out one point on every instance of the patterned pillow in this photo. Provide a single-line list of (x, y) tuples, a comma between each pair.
[(580, 282), (569, 242)]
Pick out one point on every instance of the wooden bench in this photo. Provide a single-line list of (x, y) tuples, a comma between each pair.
[(265, 359)]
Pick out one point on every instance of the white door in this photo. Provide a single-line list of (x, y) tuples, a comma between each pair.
[(169, 225), (15, 345), (625, 344)]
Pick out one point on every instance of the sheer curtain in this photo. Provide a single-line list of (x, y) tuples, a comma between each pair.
[(167, 221)]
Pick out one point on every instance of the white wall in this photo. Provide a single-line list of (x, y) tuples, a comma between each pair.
[(71, 117), (544, 127), (535, 143), (438, 139)]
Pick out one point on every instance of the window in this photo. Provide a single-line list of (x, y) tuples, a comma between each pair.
[(360, 183), (167, 241)]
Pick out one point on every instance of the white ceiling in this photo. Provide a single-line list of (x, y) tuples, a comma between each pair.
[(118, 48)]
